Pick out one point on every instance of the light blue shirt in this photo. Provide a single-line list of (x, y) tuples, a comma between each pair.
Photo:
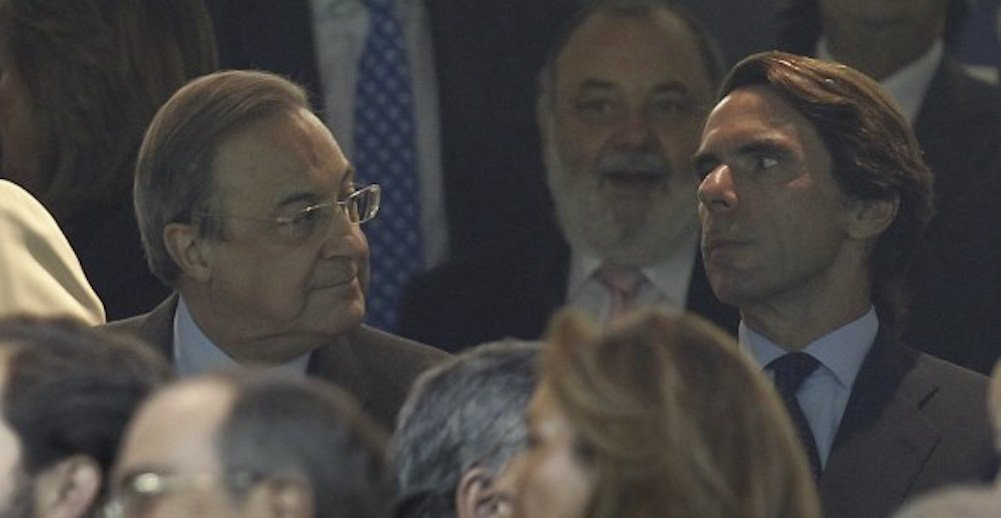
[(824, 394), (194, 353)]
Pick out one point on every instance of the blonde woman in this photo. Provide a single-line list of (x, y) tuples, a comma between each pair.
[(659, 416)]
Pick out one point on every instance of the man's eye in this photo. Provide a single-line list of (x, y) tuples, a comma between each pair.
[(304, 218), (765, 161)]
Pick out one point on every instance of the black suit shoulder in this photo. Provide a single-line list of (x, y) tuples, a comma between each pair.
[(465, 302), (956, 269), (913, 423)]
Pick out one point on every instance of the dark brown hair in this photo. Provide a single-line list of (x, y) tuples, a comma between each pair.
[(95, 72), (875, 155)]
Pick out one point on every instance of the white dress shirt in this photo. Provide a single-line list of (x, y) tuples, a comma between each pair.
[(667, 282), (339, 31), (824, 394), (908, 85), (194, 353)]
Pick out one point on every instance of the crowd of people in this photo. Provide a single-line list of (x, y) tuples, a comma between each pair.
[(614, 271)]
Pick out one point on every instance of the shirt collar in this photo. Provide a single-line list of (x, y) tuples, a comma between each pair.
[(670, 276), (908, 85), (841, 351), (194, 353)]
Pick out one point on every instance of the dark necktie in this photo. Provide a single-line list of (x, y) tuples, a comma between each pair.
[(385, 153), (790, 370)]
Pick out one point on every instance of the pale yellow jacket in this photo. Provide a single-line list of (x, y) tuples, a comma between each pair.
[(39, 272)]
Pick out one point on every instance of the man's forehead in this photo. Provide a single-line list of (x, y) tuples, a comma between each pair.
[(609, 41), (175, 430), (758, 106), (279, 157)]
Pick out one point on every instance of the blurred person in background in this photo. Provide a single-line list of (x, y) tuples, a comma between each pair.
[(79, 82), (622, 96)]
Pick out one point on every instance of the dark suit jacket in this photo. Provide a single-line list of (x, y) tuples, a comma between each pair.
[(486, 56), (913, 422), (465, 303), (955, 278), (377, 368)]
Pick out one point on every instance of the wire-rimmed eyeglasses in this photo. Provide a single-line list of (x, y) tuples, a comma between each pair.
[(360, 206), (138, 492)]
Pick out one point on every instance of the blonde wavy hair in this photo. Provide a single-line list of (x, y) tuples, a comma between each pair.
[(675, 421)]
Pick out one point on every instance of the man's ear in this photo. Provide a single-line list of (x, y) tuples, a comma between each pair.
[(281, 497), (476, 495), (188, 251), (867, 218), (68, 489)]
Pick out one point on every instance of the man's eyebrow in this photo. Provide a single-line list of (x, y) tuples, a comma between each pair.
[(297, 197), (672, 87), (347, 180)]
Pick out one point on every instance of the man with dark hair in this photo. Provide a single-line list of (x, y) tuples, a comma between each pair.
[(245, 444), (813, 197), (956, 271), (461, 424), (66, 394), (623, 94), (249, 209)]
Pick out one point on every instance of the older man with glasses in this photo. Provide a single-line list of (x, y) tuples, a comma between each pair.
[(249, 210)]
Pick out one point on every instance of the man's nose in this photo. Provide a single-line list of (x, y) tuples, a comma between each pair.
[(636, 130), (344, 238), (717, 192)]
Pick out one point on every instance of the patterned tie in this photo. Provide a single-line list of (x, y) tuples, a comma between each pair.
[(790, 370), (623, 284), (385, 153)]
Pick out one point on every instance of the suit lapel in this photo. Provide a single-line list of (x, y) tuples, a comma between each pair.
[(884, 440), (157, 329)]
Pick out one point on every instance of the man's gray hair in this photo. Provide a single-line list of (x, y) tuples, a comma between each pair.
[(466, 413)]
